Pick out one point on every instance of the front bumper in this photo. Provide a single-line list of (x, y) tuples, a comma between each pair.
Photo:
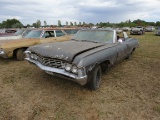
[(60, 73), (3, 55), (136, 32)]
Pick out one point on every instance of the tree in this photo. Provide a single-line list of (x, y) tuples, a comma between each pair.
[(75, 24), (66, 23), (34, 25), (59, 23), (28, 25), (71, 24), (84, 23), (158, 23), (140, 22), (45, 23), (38, 23), (17, 25), (9, 23)]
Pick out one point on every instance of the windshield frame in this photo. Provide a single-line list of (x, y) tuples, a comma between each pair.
[(98, 40), (19, 32), (31, 32)]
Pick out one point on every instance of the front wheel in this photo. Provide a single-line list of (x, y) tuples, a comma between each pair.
[(20, 54), (95, 78)]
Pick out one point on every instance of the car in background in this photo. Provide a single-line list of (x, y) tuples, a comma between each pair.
[(149, 29), (5, 32), (83, 58), (17, 35), (15, 48), (139, 30), (158, 31), (118, 30), (125, 28)]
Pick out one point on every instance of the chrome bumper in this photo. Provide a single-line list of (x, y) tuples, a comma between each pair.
[(60, 73), (3, 55)]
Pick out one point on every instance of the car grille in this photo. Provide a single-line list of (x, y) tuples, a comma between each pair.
[(51, 62)]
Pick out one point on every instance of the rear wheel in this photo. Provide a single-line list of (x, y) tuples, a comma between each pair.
[(95, 78), (20, 54)]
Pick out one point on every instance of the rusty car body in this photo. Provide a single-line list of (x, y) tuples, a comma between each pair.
[(138, 30), (84, 57), (17, 35), (15, 48), (158, 31), (6, 32), (149, 29)]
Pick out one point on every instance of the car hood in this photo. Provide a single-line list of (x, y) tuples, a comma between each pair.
[(67, 50), (10, 37)]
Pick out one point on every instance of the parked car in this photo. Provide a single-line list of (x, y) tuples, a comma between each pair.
[(139, 30), (17, 35), (7, 32), (118, 30), (15, 48), (84, 57), (125, 28), (149, 29), (158, 31)]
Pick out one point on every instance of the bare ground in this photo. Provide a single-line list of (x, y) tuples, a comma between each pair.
[(130, 90)]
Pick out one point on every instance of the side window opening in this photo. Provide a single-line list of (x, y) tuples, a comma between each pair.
[(48, 34), (59, 33)]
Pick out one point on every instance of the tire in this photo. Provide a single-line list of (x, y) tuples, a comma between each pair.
[(95, 78), (20, 54)]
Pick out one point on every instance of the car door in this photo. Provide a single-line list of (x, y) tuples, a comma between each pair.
[(48, 36), (121, 50)]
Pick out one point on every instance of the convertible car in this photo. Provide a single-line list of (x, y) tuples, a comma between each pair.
[(84, 57)]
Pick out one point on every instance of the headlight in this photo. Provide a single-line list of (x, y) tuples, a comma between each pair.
[(1, 51), (74, 69), (68, 67), (33, 56)]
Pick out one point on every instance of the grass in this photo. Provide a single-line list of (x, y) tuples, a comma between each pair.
[(130, 90)]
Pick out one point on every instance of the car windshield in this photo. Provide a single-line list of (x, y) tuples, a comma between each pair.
[(102, 36), (19, 32), (71, 31), (138, 27), (34, 34)]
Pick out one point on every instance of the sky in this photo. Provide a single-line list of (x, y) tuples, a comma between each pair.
[(88, 11)]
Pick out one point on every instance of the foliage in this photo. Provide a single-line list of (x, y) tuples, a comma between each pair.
[(67, 23), (34, 25), (59, 23), (75, 23), (38, 23), (71, 24), (17, 25), (9, 23)]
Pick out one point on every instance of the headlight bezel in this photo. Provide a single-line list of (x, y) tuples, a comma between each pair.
[(78, 70), (68, 67)]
